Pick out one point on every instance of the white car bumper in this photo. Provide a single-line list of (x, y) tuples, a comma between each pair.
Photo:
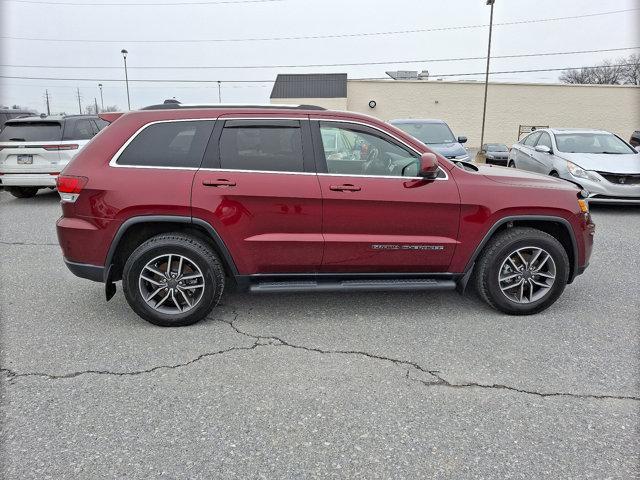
[(28, 179)]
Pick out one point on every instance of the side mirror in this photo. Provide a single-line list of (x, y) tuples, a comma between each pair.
[(462, 139), (542, 149), (428, 166)]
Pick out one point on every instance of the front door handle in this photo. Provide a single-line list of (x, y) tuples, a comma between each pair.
[(220, 182), (347, 187)]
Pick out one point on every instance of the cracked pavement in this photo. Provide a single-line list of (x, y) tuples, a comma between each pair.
[(374, 385)]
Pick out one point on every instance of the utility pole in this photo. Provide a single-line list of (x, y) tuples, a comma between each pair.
[(486, 77), (219, 92), (95, 102), (126, 75), (79, 104), (101, 98), (46, 95)]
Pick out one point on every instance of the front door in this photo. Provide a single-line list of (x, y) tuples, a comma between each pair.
[(259, 190), (378, 217)]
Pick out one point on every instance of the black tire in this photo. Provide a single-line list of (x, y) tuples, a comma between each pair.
[(554, 174), (23, 192), (511, 164), (179, 244), (496, 252)]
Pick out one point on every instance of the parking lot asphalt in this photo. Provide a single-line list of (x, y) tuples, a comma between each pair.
[(367, 385)]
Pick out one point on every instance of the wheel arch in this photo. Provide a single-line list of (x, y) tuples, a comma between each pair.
[(137, 230), (558, 227)]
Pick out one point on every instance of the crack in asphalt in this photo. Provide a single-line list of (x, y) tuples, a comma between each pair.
[(273, 341), (2, 242)]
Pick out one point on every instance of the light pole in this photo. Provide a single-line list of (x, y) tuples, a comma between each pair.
[(486, 78), (101, 98), (126, 76)]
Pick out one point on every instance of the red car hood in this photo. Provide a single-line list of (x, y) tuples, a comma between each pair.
[(521, 178)]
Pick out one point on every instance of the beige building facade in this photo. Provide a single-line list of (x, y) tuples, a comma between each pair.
[(615, 108)]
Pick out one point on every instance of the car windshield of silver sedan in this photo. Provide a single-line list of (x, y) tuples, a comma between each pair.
[(428, 132), (603, 143)]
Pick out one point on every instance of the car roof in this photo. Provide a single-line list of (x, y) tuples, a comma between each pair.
[(575, 130), (416, 120), (51, 118)]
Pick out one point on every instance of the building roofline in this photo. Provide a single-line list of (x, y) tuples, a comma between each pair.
[(469, 82)]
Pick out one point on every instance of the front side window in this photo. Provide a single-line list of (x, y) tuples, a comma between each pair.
[(353, 151), (530, 141), (273, 147), (591, 143), (545, 140), (168, 144)]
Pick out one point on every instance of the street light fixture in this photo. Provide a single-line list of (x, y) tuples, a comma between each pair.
[(126, 76), (101, 98), (486, 78)]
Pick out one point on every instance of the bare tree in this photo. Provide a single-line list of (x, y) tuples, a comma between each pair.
[(111, 108), (90, 109), (631, 71), (622, 71)]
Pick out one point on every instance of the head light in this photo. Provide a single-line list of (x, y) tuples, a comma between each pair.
[(580, 172)]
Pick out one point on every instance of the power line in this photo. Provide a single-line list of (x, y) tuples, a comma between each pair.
[(127, 4), (176, 80), (316, 37), (390, 62)]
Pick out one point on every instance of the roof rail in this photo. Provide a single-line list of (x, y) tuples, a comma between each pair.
[(178, 106)]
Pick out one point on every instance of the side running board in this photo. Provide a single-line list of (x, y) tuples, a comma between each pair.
[(352, 285)]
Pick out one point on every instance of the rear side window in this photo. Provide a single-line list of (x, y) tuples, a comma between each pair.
[(274, 147), (168, 144), (100, 123), (31, 132), (82, 129)]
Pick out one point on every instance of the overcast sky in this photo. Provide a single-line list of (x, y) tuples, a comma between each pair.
[(120, 24)]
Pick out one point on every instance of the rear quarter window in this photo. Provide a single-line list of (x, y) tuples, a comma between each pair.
[(31, 132), (168, 144)]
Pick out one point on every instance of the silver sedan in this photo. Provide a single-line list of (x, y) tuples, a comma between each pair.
[(600, 162)]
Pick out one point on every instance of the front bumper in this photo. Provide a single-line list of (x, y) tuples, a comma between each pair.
[(28, 179), (607, 192), (603, 200)]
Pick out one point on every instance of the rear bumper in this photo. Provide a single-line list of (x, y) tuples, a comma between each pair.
[(28, 179), (84, 270)]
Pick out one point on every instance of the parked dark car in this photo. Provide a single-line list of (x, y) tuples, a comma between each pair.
[(493, 154), (179, 202), (7, 114)]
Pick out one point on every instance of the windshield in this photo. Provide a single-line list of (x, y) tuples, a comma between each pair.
[(428, 132), (31, 132), (495, 147), (591, 143)]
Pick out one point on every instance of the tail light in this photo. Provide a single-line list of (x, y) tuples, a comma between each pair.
[(69, 187), (57, 148)]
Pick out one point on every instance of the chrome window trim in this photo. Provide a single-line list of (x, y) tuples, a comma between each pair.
[(116, 156)]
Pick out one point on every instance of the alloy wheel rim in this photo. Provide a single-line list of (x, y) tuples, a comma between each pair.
[(527, 275), (171, 284)]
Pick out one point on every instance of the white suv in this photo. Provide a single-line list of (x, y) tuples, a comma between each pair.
[(33, 150)]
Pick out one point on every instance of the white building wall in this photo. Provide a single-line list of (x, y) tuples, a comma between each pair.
[(608, 107)]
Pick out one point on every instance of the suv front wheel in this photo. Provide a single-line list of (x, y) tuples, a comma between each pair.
[(522, 271), (173, 280)]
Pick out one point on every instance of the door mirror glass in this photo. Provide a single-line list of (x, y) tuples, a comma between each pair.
[(462, 139), (428, 166), (543, 149)]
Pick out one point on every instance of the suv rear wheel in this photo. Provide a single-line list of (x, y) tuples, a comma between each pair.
[(173, 280), (522, 271), (23, 192)]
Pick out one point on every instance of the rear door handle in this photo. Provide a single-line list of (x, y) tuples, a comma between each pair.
[(347, 187), (220, 182)]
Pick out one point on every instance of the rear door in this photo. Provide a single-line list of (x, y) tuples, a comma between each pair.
[(259, 190), (30, 147), (378, 217)]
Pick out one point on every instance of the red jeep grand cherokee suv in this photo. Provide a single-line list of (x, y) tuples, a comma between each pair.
[(180, 201)]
